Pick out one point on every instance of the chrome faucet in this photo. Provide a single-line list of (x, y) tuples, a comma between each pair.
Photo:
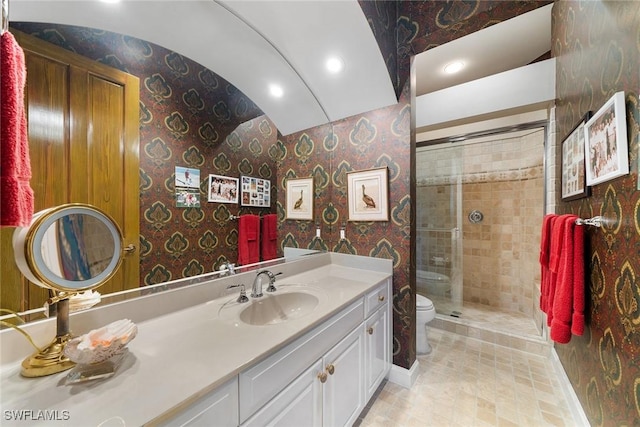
[(256, 289), (227, 269)]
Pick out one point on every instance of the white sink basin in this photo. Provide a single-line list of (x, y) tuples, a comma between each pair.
[(278, 308), (290, 301)]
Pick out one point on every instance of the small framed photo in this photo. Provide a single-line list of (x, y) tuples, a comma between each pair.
[(299, 198), (606, 152), (187, 177), (368, 195), (255, 192), (574, 182), (223, 189)]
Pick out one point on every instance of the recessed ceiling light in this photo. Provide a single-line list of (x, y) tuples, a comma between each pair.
[(453, 67), (276, 90), (334, 64)]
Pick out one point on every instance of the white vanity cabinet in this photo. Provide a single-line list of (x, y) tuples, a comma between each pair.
[(377, 337), (343, 386), (329, 393), (218, 408), (377, 350), (333, 388)]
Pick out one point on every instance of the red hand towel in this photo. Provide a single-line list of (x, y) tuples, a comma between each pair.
[(563, 298), (248, 239), (545, 249), (557, 237), (577, 321), (16, 196), (269, 237)]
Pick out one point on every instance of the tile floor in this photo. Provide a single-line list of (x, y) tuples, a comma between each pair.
[(467, 382)]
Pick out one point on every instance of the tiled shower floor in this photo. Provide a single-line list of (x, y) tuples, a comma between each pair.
[(510, 329)]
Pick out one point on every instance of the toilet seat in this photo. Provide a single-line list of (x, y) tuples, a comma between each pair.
[(423, 303)]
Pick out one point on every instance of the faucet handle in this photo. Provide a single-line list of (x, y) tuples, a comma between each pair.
[(272, 281), (243, 294)]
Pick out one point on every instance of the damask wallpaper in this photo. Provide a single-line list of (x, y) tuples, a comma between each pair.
[(189, 116), (597, 49), (380, 138), (187, 112), (377, 139)]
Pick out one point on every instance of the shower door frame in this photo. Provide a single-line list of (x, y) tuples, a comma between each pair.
[(540, 124)]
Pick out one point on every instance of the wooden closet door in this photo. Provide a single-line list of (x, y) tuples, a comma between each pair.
[(84, 146)]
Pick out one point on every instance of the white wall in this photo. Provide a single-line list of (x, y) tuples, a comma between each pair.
[(513, 89)]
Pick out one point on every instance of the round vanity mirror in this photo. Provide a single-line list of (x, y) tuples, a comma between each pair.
[(69, 248)]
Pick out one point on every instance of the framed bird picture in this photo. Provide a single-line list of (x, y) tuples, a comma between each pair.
[(368, 195), (300, 198)]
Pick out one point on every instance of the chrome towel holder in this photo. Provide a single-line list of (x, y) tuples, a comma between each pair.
[(596, 221)]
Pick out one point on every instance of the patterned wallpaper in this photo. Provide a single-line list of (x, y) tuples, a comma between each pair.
[(597, 48), (377, 139), (171, 238), (191, 117), (380, 138)]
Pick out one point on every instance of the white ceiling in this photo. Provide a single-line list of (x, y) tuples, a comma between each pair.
[(252, 44), (501, 47)]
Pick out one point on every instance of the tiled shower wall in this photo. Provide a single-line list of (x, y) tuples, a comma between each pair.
[(502, 178)]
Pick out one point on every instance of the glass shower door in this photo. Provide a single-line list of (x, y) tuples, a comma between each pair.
[(439, 226)]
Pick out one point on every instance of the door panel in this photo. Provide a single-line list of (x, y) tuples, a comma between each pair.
[(83, 136)]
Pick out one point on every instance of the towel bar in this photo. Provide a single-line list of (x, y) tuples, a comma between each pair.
[(596, 221)]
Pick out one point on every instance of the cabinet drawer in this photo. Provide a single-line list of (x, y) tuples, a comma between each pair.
[(376, 298), (219, 408), (262, 382)]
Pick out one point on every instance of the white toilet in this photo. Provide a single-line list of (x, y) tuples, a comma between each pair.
[(425, 313), (433, 283)]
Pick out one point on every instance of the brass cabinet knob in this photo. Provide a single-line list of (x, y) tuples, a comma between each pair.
[(322, 377), (129, 249), (370, 331), (381, 298), (331, 369)]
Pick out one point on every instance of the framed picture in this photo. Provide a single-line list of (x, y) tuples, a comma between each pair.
[(255, 192), (299, 198), (574, 182), (368, 195), (187, 198), (223, 189), (606, 152), (187, 177)]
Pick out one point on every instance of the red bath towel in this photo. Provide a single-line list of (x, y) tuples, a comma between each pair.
[(545, 249), (555, 255), (577, 320), (568, 300), (269, 237), (248, 239), (16, 195)]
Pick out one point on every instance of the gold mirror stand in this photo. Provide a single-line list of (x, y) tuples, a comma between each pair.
[(51, 359)]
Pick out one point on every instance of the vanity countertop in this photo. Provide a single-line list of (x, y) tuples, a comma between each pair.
[(178, 357)]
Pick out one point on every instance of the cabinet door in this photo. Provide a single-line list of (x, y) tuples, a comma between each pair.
[(343, 393), (377, 352), (299, 404), (219, 408)]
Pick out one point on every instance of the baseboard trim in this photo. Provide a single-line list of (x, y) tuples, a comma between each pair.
[(572, 399), (402, 376)]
